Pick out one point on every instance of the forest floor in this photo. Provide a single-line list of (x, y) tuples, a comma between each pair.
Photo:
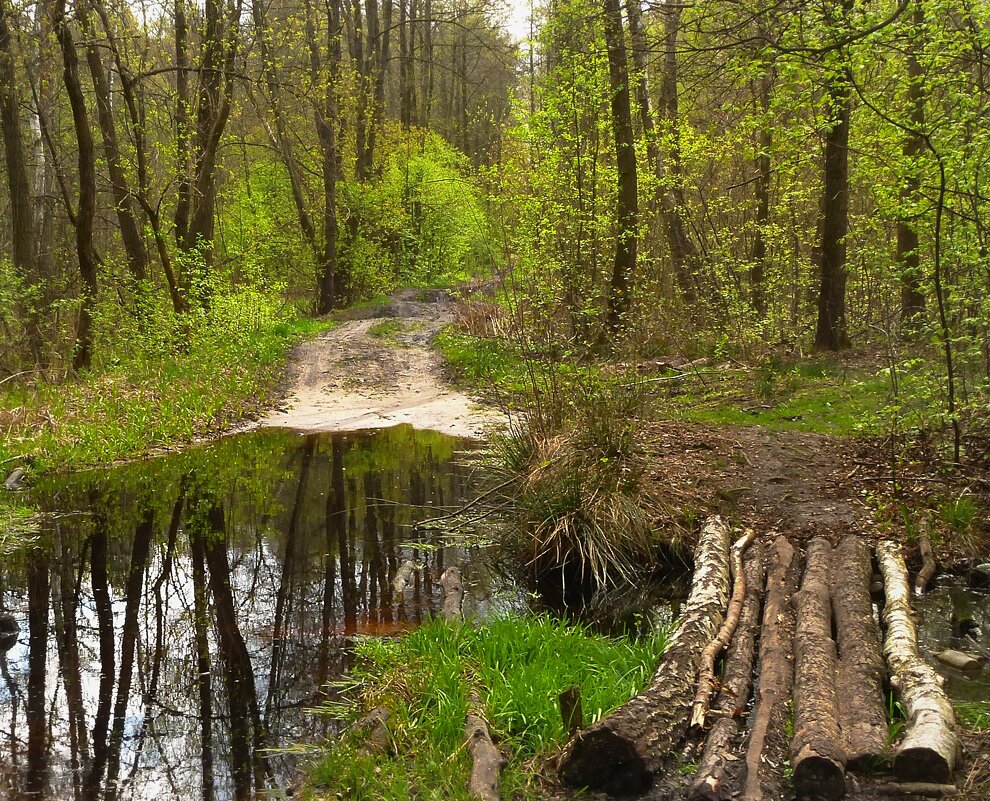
[(377, 369)]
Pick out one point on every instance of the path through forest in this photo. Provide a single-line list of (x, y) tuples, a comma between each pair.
[(377, 369)]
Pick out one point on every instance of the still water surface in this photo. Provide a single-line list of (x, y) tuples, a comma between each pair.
[(181, 615)]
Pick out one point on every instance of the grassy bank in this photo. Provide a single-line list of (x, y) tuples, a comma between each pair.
[(520, 665), (148, 400)]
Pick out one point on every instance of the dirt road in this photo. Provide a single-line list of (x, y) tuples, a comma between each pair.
[(380, 371)]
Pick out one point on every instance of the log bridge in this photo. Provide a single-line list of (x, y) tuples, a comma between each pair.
[(805, 666)]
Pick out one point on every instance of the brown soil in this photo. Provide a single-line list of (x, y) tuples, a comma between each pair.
[(799, 484), (377, 369)]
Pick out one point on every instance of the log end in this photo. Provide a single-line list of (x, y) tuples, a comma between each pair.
[(922, 765), (600, 759), (819, 778)]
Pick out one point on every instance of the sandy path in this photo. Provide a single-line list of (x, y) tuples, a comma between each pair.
[(379, 372)]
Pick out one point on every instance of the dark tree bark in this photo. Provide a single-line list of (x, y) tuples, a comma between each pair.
[(626, 208), (670, 199), (38, 605), (764, 141), (831, 332), (332, 281), (216, 75), (908, 245), (86, 212), (104, 617), (128, 642), (18, 183), (123, 198)]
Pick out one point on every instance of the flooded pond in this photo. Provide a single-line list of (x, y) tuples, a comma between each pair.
[(954, 616), (180, 615)]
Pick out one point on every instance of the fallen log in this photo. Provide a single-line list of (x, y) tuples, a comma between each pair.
[(766, 748), (453, 593), (486, 760), (928, 565), (861, 674), (817, 757), (621, 753), (710, 782), (928, 751), (706, 680), (915, 788)]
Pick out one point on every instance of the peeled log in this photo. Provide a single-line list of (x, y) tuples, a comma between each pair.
[(710, 782), (621, 753), (930, 745), (766, 749), (817, 756), (706, 680), (861, 674)]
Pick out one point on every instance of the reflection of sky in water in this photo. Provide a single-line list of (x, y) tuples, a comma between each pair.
[(278, 493), (950, 596)]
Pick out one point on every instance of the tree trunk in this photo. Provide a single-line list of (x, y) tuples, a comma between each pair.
[(908, 245), (626, 206), (817, 756), (766, 749), (123, 198), (86, 212), (831, 332), (716, 762), (928, 751), (621, 753), (18, 184)]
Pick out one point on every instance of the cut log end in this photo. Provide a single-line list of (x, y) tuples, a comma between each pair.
[(922, 765), (600, 759), (819, 778)]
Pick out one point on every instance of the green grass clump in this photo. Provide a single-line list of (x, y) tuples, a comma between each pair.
[(150, 399), (488, 364), (974, 715), (520, 665), (18, 525)]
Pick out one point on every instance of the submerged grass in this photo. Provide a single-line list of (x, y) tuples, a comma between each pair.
[(520, 665)]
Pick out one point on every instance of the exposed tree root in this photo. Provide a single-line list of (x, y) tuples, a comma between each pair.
[(711, 781), (765, 755), (706, 678), (621, 753), (930, 745), (860, 676)]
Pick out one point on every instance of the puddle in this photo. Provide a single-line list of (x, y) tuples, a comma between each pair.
[(939, 615), (180, 615)]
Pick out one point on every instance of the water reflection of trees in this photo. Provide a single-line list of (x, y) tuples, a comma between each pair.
[(180, 613)]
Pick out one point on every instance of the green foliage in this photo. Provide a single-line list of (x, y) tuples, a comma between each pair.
[(520, 665), (975, 715), (421, 224), (18, 525), (488, 364), (960, 513), (159, 379)]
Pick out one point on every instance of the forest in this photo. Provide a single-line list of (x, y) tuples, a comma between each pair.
[(462, 399)]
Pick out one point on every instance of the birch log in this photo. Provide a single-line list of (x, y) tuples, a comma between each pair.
[(930, 745), (621, 753)]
